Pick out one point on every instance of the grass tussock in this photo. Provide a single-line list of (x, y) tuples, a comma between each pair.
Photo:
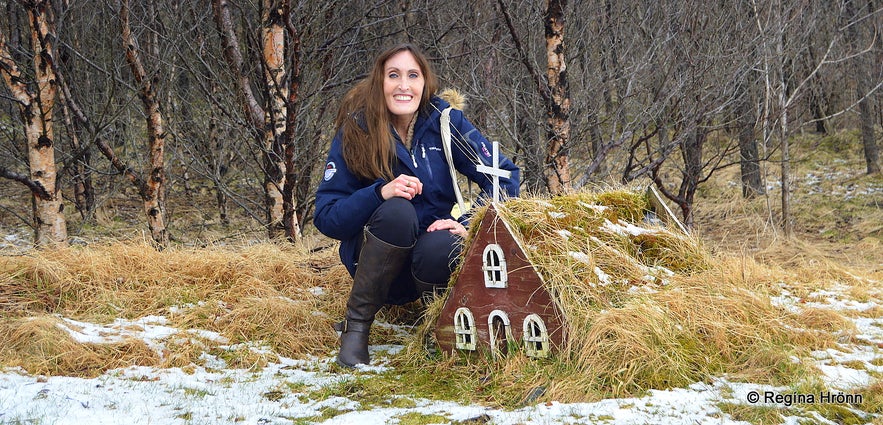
[(41, 346), (645, 307), (290, 327), (275, 297)]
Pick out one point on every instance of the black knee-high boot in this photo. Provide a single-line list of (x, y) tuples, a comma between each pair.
[(379, 263)]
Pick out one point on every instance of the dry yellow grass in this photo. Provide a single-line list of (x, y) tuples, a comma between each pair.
[(39, 346), (280, 297)]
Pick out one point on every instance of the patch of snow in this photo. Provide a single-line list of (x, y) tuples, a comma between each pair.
[(603, 278), (624, 229), (596, 208), (656, 274), (580, 256), (844, 378)]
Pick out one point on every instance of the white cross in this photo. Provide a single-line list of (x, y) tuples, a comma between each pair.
[(495, 171)]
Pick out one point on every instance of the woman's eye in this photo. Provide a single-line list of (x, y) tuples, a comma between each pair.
[(393, 75), (413, 75)]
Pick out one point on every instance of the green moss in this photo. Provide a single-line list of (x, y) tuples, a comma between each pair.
[(415, 418), (757, 415)]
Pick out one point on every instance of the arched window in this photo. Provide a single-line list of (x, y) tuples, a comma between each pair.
[(464, 329), (500, 333), (536, 337), (494, 267)]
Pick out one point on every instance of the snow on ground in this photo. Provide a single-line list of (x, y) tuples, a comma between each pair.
[(140, 395), (286, 392)]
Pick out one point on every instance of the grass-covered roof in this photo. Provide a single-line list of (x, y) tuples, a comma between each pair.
[(645, 306)]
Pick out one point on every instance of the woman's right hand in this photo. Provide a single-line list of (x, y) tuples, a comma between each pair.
[(403, 186)]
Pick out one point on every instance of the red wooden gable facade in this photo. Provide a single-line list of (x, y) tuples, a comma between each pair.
[(499, 300)]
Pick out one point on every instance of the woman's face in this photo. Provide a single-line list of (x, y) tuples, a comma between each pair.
[(402, 85)]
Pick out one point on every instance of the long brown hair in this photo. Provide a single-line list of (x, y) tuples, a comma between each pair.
[(367, 145)]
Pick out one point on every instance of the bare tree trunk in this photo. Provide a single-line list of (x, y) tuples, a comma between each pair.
[(692, 153), (554, 91), (290, 223), (84, 192), (557, 170), (218, 167), (787, 224), (232, 54), (869, 143), (816, 97), (269, 126), (862, 89), (36, 108), (152, 191), (749, 164), (877, 57), (407, 19), (273, 37)]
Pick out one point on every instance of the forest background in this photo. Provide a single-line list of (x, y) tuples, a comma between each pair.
[(132, 127), (200, 122)]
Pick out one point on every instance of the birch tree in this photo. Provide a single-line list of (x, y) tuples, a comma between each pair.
[(558, 113), (152, 188), (554, 91), (36, 103), (269, 125)]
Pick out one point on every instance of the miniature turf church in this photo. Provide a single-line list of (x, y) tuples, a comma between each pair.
[(499, 301)]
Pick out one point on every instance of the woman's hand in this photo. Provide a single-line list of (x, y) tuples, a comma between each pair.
[(403, 186), (452, 226)]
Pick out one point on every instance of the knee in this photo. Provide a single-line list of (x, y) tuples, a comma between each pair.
[(435, 257), (395, 222)]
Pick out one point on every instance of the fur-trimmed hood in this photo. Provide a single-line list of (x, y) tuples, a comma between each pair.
[(456, 99)]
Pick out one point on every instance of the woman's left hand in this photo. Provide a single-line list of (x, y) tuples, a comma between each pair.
[(452, 226)]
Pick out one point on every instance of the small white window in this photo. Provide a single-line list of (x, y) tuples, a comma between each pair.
[(500, 333), (464, 328), (536, 337), (494, 267)]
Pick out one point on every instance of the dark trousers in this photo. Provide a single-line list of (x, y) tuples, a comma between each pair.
[(433, 257)]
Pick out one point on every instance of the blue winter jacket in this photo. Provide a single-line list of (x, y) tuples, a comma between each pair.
[(344, 202)]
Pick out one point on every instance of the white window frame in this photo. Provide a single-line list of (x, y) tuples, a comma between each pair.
[(495, 275), (535, 345), (464, 329), (507, 330)]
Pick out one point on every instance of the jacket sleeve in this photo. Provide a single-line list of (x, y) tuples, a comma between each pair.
[(344, 203), (470, 146)]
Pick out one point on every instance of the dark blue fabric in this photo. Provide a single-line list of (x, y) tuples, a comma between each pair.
[(395, 222), (434, 257), (344, 203)]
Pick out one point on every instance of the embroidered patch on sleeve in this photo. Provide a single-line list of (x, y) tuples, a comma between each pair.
[(330, 169), (485, 151)]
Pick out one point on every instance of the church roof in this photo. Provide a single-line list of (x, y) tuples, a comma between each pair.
[(599, 242)]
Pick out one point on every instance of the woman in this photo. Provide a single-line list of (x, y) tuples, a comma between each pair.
[(387, 193)]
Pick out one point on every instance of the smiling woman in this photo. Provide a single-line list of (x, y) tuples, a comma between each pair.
[(403, 89), (387, 193)]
